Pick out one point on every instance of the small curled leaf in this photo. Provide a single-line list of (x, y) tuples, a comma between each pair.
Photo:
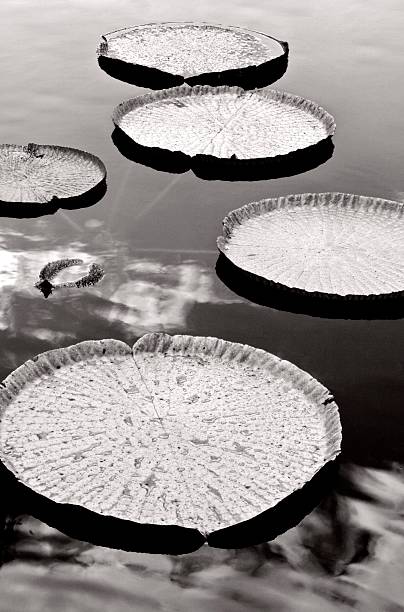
[(53, 268)]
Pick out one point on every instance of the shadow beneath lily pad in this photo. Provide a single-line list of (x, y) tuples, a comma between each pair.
[(135, 74), (250, 77), (331, 306), (103, 530), (283, 516), (175, 162), (209, 167), (27, 210)]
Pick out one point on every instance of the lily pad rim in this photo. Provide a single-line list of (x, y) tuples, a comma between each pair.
[(128, 535), (47, 362), (56, 199), (255, 209), (115, 33), (183, 345), (186, 90)]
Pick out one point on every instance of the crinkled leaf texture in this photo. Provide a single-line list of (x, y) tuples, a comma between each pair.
[(226, 123), (168, 54), (38, 174), (335, 244), (187, 433)]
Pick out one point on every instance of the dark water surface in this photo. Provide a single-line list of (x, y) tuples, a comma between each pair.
[(154, 233)]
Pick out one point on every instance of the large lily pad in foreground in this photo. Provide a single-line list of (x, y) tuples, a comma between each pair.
[(333, 253), (161, 55), (225, 130), (35, 176), (182, 440)]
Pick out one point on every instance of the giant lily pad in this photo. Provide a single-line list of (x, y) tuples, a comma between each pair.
[(35, 176), (161, 55), (181, 440), (226, 128), (321, 249)]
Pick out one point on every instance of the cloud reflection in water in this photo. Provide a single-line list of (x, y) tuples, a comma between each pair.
[(158, 296), (140, 292)]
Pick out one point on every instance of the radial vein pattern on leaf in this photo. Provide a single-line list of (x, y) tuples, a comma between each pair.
[(190, 49), (225, 122), (332, 243), (235, 431)]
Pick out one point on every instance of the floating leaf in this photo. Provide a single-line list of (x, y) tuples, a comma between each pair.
[(224, 122), (181, 440), (43, 174), (326, 245), (161, 55), (225, 127), (52, 269)]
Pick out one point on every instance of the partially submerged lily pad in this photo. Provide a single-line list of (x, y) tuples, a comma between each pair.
[(43, 175), (323, 247), (52, 269), (204, 128), (182, 440), (161, 55)]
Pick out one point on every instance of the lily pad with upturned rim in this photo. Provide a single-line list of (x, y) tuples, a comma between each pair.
[(182, 440), (38, 176), (162, 55), (337, 254), (225, 130), (52, 269)]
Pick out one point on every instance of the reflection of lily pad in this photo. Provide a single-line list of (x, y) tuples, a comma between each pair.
[(328, 246), (225, 127), (161, 55), (52, 269), (180, 440), (42, 174)]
